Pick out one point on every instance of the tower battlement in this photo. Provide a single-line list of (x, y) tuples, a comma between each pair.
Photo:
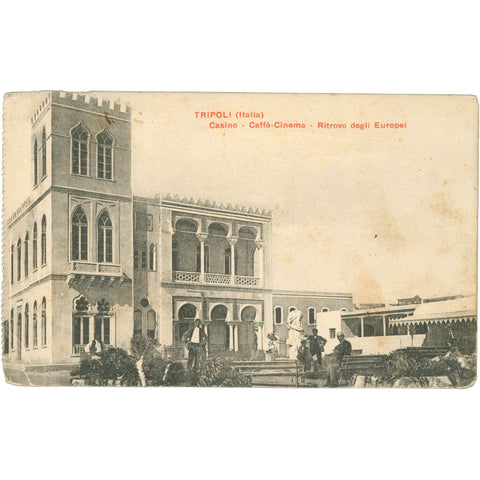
[(79, 100)]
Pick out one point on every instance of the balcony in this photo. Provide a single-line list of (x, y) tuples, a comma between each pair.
[(93, 272), (216, 279)]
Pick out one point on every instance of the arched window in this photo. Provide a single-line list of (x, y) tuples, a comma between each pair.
[(152, 259), (35, 162), (12, 323), (12, 263), (25, 254), (325, 309), (44, 153), (219, 313), (19, 259), (79, 235), (105, 238), (35, 326), (80, 150), (151, 324), (44, 240), (104, 155), (278, 315), (343, 309), (187, 312), (27, 327), (34, 247), (291, 309), (248, 314), (311, 316), (44, 322)]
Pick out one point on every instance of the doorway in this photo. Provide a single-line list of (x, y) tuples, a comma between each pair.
[(217, 330)]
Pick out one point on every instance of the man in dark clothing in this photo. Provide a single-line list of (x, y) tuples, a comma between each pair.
[(196, 340), (304, 356), (343, 349), (316, 345)]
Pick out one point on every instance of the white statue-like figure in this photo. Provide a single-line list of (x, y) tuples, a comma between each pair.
[(295, 333)]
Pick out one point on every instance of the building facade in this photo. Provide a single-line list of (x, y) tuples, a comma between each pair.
[(85, 258)]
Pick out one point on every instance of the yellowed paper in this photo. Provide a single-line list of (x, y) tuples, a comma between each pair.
[(129, 216)]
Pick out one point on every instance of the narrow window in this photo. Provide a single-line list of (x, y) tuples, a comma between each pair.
[(34, 246), (12, 263), (25, 255), (278, 315), (12, 323), (152, 260), (311, 316), (105, 238), (79, 235), (27, 327), (135, 258), (144, 258), (44, 240), (151, 324), (44, 153), (35, 326), (291, 309), (332, 333), (104, 155), (35, 163), (174, 254), (228, 260), (80, 150), (19, 259), (137, 323), (44, 322)]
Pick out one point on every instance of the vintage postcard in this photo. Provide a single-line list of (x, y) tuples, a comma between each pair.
[(239, 240)]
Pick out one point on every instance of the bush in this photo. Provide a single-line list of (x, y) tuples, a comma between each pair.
[(459, 369), (219, 372)]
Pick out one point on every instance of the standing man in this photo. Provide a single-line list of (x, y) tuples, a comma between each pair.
[(196, 340), (316, 344), (343, 349)]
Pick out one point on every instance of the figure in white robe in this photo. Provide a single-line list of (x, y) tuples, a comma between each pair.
[(295, 333)]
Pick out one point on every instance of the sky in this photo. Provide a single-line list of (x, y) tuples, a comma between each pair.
[(379, 213)]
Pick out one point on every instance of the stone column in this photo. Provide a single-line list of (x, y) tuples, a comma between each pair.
[(260, 336), (259, 244), (231, 342), (91, 327), (236, 338), (362, 326), (202, 237), (232, 241), (384, 325)]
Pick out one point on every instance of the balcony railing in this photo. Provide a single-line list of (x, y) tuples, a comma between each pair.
[(80, 349), (217, 279), (94, 271)]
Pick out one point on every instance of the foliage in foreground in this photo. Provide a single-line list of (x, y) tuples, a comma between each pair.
[(460, 369), (118, 367), (219, 372)]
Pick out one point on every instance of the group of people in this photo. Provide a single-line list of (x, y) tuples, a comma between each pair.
[(308, 349)]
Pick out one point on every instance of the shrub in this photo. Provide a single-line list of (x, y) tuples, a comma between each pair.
[(219, 372)]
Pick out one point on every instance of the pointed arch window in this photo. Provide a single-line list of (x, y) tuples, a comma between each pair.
[(34, 247), (27, 327), (105, 238), (152, 257), (35, 326), (44, 322), (80, 150), (25, 254), (79, 235), (44, 240), (105, 155), (19, 259), (12, 326), (35, 162), (44, 153)]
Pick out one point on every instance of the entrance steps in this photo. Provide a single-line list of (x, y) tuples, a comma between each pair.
[(279, 373)]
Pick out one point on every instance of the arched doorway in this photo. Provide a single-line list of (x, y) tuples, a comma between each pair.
[(217, 331), (247, 339)]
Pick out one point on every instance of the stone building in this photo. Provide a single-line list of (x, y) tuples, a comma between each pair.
[(86, 258)]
